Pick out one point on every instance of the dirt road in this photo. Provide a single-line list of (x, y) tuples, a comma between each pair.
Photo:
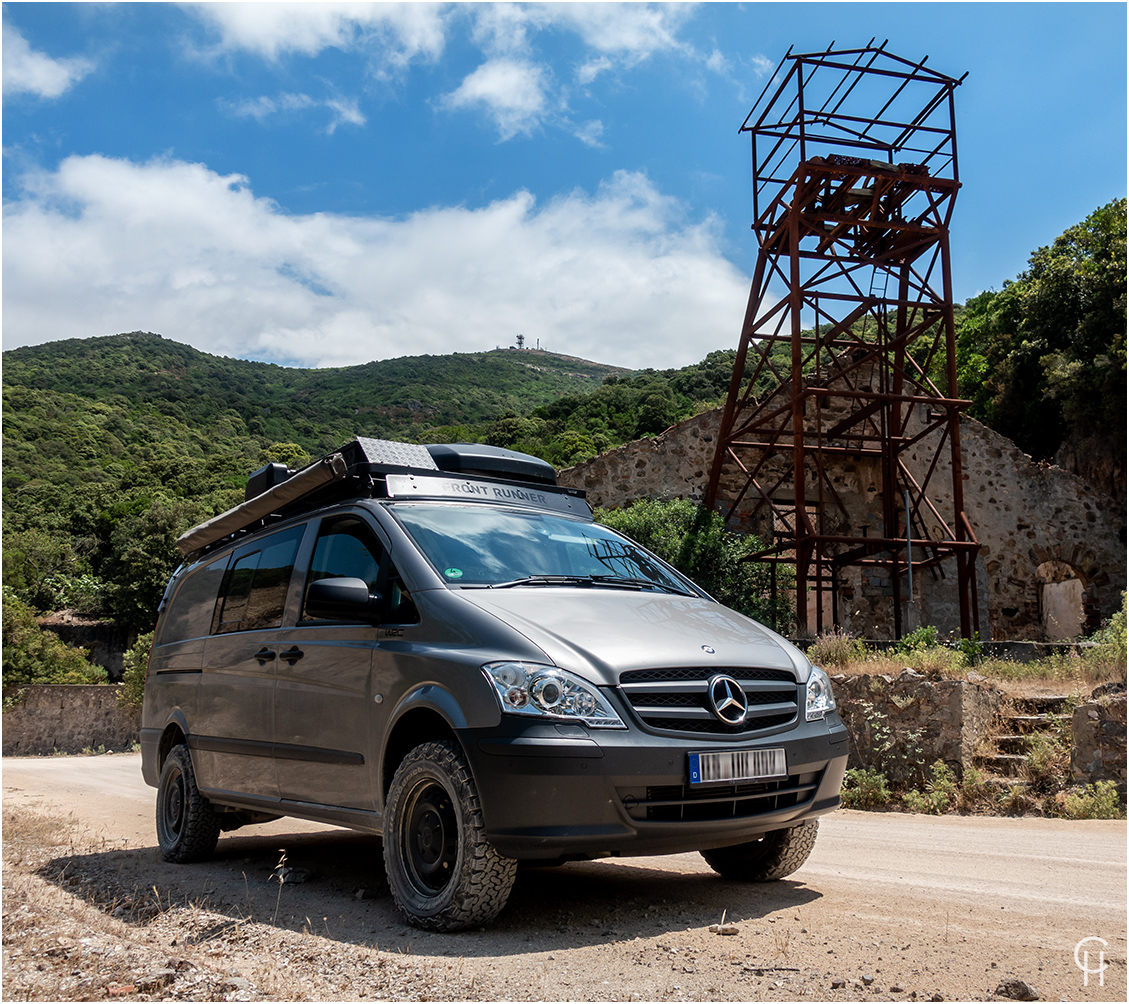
[(890, 906)]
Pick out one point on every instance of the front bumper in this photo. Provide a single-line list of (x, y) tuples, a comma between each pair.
[(549, 791)]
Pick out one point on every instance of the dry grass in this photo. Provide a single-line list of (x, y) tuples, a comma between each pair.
[(1069, 673)]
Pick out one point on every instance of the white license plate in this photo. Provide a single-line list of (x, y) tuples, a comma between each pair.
[(737, 765)]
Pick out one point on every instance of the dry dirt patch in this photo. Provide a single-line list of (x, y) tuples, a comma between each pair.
[(91, 912)]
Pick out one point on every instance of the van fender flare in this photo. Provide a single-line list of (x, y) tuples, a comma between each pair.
[(434, 698)]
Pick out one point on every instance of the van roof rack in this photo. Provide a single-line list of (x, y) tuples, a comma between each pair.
[(364, 463)]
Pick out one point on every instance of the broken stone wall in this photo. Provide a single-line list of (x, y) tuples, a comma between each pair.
[(902, 724), (1098, 752), (1039, 527)]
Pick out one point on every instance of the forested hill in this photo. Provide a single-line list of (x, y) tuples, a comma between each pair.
[(386, 398)]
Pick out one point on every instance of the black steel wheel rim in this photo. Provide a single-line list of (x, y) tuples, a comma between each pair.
[(430, 838), (174, 803)]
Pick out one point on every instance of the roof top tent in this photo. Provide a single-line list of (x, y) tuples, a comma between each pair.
[(360, 467)]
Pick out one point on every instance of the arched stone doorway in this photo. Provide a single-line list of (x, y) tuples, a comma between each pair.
[(1061, 608)]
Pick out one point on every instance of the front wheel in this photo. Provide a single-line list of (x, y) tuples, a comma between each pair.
[(774, 855), (443, 872), (187, 824)]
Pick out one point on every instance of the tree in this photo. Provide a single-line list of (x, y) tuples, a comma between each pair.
[(1044, 358), (32, 655), (143, 554)]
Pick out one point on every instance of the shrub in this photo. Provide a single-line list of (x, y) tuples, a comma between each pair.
[(865, 788), (1094, 801), (918, 640), (940, 791), (837, 648), (32, 655), (135, 662), (974, 787), (1015, 799), (1048, 761)]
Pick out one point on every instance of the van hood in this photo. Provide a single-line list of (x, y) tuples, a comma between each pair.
[(600, 633)]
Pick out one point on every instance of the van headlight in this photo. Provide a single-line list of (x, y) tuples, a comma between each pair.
[(820, 698), (524, 688)]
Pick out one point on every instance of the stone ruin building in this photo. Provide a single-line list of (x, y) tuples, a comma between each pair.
[(1052, 561)]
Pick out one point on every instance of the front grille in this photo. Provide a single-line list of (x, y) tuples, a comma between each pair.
[(682, 803), (676, 700)]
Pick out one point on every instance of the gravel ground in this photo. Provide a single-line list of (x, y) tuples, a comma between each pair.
[(90, 912)]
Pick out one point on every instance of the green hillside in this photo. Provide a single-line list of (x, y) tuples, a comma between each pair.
[(386, 398)]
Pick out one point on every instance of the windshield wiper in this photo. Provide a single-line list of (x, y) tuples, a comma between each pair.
[(544, 580), (608, 581), (629, 582)]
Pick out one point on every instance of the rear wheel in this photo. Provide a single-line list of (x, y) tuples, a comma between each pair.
[(443, 873), (187, 824), (773, 856)]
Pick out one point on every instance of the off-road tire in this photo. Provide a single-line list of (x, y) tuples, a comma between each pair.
[(774, 856), (188, 825), (443, 872)]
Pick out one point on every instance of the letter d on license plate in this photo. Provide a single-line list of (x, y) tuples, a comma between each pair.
[(737, 765)]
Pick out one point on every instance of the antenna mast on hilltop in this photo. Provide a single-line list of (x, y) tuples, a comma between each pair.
[(849, 340)]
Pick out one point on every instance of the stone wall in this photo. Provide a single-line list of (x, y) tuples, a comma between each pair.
[(1037, 524), (902, 724), (1098, 753), (68, 719)]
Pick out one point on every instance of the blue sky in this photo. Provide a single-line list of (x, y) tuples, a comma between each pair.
[(325, 184)]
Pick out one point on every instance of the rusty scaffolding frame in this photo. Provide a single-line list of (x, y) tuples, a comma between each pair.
[(849, 329)]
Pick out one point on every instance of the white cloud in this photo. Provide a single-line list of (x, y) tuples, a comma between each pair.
[(761, 65), (516, 85), (100, 246), (632, 31), (342, 110), (589, 71), (398, 32), (512, 92), (589, 133), (29, 72), (262, 108)]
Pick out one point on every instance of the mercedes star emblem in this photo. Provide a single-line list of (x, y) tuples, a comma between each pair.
[(727, 700)]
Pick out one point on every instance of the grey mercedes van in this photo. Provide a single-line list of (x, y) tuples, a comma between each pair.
[(437, 645)]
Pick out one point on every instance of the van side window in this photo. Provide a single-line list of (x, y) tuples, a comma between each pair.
[(190, 612), (347, 547), (254, 589)]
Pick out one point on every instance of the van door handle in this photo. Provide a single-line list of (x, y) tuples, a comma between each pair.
[(265, 655), (292, 655)]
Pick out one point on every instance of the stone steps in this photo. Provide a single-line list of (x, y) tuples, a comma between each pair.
[(1028, 724), (1032, 717)]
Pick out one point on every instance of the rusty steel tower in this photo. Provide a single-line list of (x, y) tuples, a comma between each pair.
[(847, 357)]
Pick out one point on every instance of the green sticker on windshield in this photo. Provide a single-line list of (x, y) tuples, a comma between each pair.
[(453, 573)]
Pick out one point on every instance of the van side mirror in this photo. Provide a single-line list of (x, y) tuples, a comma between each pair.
[(342, 599)]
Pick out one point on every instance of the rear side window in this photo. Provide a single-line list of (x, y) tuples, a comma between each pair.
[(190, 611), (254, 589)]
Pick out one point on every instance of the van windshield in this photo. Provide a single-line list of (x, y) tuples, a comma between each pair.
[(488, 547)]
